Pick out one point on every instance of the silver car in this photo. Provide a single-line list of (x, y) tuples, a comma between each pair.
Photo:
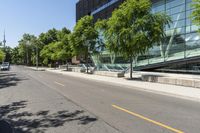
[(5, 66)]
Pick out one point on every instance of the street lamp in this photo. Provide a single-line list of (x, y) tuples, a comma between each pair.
[(37, 53), (28, 43), (36, 56), (27, 57), (87, 44)]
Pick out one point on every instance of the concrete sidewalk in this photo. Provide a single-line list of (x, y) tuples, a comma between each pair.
[(37, 69), (189, 93)]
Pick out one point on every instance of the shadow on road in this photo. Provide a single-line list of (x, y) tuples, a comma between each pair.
[(8, 79), (27, 122), (5, 127)]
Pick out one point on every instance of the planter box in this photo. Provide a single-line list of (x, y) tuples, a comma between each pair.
[(109, 74)]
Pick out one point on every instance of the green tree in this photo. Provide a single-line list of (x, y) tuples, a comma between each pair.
[(49, 37), (83, 37), (27, 47), (2, 55), (59, 49), (44, 39), (196, 13), (7, 53), (133, 29), (63, 48), (16, 57), (46, 53)]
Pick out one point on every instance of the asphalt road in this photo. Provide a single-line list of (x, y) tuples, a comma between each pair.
[(35, 101)]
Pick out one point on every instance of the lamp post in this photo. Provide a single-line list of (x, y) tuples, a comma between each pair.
[(37, 57), (28, 43), (27, 56), (87, 44)]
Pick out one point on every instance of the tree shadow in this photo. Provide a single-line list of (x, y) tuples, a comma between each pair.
[(27, 122), (8, 79)]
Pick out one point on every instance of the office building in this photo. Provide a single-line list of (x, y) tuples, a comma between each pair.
[(180, 52)]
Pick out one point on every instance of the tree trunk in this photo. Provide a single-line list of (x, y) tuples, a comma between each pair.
[(131, 67), (112, 57), (161, 50)]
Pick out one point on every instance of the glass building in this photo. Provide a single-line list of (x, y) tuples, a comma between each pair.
[(180, 51)]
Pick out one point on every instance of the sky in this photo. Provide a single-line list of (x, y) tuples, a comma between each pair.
[(34, 17)]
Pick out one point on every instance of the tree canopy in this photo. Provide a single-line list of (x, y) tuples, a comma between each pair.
[(133, 29), (46, 48), (58, 49), (196, 13), (2, 55), (84, 37)]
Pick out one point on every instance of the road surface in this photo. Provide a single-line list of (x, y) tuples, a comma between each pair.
[(38, 101)]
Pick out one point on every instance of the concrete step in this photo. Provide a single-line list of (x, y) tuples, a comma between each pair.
[(187, 82), (110, 74)]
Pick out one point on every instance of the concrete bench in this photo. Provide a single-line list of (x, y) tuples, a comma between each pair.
[(172, 80), (110, 74)]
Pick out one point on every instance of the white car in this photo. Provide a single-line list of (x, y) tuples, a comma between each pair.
[(5, 66)]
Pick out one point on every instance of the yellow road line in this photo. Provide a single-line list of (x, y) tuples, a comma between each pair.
[(59, 84), (147, 119)]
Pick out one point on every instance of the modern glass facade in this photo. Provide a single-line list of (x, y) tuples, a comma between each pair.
[(180, 49), (182, 42), (99, 9)]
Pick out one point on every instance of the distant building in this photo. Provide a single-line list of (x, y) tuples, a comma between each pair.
[(180, 51)]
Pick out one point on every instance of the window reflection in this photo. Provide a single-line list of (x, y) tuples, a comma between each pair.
[(182, 40), (174, 3)]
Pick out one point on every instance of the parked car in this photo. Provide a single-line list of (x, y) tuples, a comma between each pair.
[(5, 66)]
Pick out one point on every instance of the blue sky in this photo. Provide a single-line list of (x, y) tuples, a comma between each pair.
[(34, 16)]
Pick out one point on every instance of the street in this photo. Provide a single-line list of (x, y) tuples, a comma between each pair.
[(39, 101)]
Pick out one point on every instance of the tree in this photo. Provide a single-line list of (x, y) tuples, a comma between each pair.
[(44, 39), (2, 55), (46, 48), (46, 53), (59, 49), (26, 48), (83, 37), (16, 57), (133, 29), (64, 51), (49, 37), (196, 13), (7, 53)]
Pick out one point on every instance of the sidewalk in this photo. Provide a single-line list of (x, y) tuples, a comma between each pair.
[(189, 93), (38, 69)]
